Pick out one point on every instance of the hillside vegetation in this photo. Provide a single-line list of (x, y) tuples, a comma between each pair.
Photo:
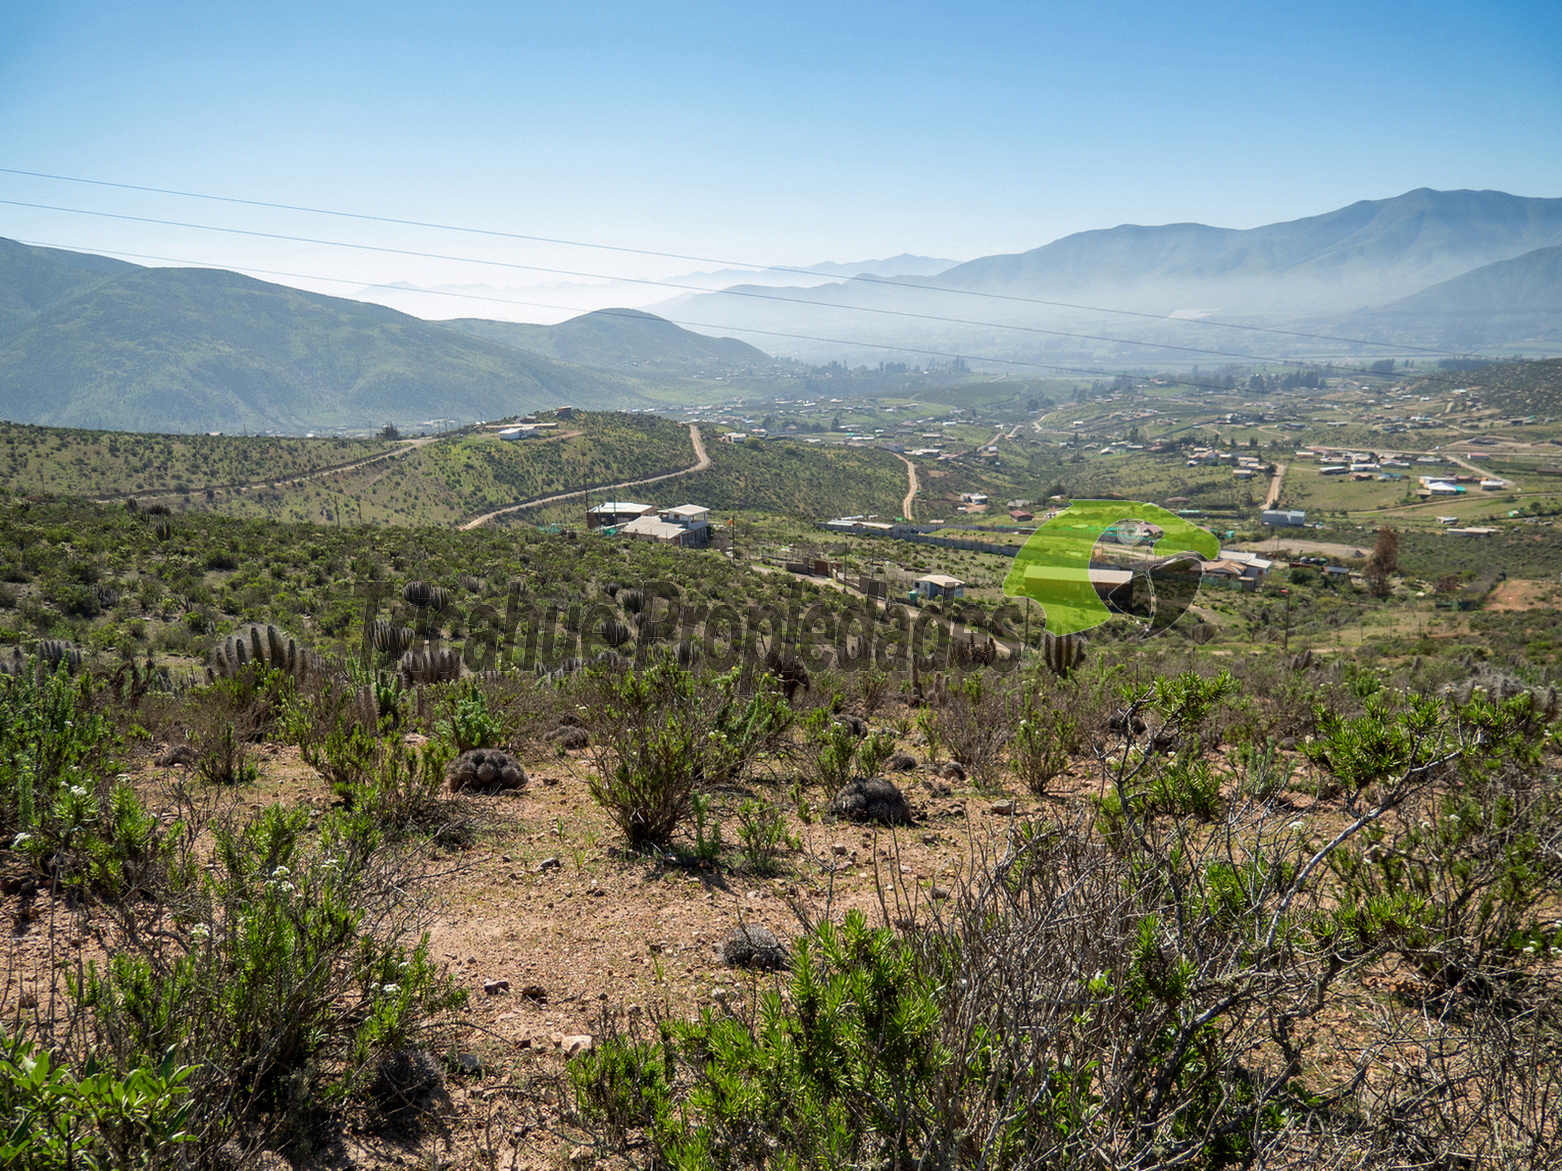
[(622, 338), (1518, 388), (167, 349), (1169, 904)]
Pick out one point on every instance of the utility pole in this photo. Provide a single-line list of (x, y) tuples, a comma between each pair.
[(1286, 645)]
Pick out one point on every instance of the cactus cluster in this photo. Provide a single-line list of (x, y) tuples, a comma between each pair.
[(391, 640), (1544, 701), (259, 644), (420, 595), (435, 665), (485, 768), (54, 651), (1062, 652)]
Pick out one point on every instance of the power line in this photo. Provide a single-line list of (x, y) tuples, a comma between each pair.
[(864, 278), (749, 294)]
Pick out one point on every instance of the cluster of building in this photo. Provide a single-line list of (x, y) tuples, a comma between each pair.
[(687, 526)]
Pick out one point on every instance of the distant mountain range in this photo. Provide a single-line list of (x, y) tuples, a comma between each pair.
[(90, 342), (556, 300), (1333, 267)]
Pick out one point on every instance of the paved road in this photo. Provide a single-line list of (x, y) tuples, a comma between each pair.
[(701, 462)]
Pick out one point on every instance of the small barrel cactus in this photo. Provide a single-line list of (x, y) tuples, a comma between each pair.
[(485, 768)]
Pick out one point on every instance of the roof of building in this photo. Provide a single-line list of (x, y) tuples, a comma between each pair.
[(650, 526), (942, 580)]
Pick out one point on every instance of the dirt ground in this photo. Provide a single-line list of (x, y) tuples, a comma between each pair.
[(1517, 594), (550, 901)]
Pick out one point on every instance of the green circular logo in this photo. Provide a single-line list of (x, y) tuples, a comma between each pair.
[(1152, 576)]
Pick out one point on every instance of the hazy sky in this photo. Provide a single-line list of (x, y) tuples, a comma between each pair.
[(778, 133)]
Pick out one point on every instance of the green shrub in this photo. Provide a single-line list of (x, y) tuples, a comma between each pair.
[(762, 835), (53, 1118), (664, 734), (52, 736), (469, 723), (1043, 742), (282, 974)]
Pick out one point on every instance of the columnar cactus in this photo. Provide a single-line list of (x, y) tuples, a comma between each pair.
[(259, 644)]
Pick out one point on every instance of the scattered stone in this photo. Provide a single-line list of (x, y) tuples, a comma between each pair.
[(575, 1044), (952, 772), (469, 1065), (485, 768), (495, 987), (754, 947), (840, 849), (535, 992), (1004, 808), (901, 762), (939, 787), (872, 799), (27, 1000), (548, 864), (930, 839), (180, 755)]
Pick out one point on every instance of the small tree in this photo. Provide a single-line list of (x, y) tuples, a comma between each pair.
[(1385, 554), (390, 431)]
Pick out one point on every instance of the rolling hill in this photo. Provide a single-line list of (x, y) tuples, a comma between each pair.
[(1509, 304), (89, 342), (621, 338)]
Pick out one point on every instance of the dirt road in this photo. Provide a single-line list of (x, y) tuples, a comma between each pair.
[(1274, 485), (701, 462), (911, 480)]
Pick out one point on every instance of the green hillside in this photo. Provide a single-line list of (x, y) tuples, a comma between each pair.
[(621, 337), (202, 350)]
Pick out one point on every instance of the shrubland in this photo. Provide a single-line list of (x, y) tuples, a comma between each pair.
[(1263, 909)]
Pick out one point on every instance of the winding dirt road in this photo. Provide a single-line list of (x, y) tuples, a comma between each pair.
[(701, 462), (911, 480)]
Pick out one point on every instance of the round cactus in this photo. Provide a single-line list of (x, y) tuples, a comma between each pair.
[(485, 768)]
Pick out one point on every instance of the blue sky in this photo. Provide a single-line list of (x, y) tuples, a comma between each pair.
[(782, 133)]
